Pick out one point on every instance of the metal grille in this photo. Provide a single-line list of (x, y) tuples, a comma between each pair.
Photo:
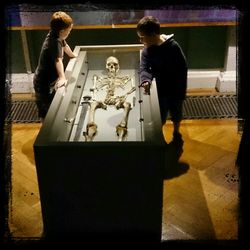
[(24, 111), (195, 107), (210, 107)]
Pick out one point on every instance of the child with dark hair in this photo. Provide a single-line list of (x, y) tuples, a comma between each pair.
[(49, 74), (162, 58)]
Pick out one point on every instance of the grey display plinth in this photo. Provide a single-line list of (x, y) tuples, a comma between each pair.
[(102, 188)]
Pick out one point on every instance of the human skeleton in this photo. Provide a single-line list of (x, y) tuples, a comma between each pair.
[(110, 83)]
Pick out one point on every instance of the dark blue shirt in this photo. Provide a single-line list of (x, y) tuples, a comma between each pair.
[(167, 64)]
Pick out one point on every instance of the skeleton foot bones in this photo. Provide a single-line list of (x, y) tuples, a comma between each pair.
[(110, 83)]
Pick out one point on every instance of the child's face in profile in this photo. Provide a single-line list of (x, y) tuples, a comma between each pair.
[(147, 40), (63, 34)]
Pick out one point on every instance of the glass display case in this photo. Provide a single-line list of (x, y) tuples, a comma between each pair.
[(100, 151)]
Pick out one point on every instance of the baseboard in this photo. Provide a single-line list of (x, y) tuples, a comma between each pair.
[(197, 79)]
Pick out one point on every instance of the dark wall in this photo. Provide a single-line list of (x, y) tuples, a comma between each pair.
[(204, 47), (15, 55)]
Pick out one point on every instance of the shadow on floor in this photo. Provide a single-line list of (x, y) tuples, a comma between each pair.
[(174, 167)]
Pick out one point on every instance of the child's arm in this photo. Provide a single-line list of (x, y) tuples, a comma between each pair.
[(68, 51), (61, 81)]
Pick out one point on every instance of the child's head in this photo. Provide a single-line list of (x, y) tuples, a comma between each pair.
[(148, 31), (148, 26), (60, 21)]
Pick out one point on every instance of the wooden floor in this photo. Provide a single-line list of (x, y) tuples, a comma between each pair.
[(202, 201), (200, 194)]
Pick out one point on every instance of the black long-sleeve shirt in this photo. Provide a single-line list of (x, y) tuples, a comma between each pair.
[(167, 64)]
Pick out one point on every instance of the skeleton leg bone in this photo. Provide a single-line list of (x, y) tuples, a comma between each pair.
[(121, 128), (91, 128)]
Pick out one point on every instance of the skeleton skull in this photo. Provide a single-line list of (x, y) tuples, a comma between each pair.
[(112, 65)]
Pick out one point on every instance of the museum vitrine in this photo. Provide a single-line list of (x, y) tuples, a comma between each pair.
[(100, 151)]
